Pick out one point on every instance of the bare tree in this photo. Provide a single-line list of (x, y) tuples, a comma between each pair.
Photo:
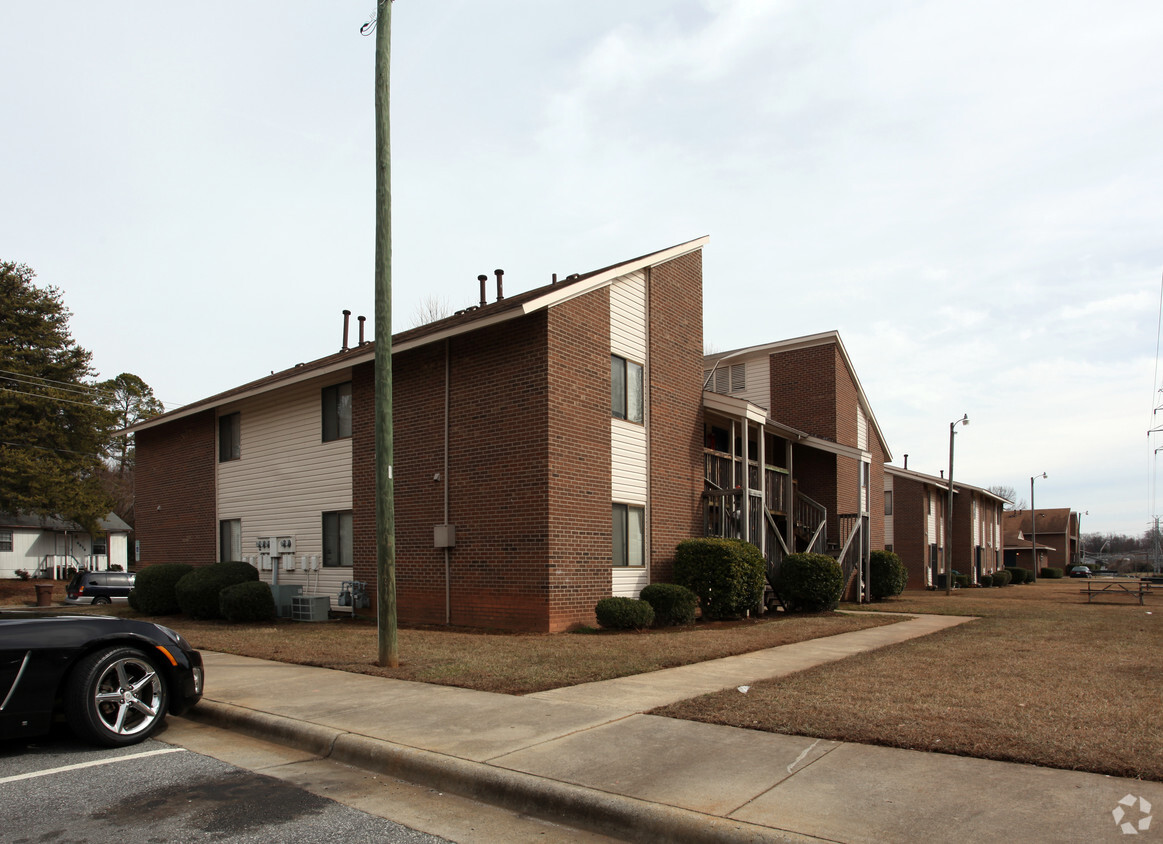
[(430, 309), (1010, 494)]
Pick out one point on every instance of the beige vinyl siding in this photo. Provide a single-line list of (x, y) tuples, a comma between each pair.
[(287, 477), (628, 317), (629, 453), (758, 383), (861, 429), (931, 517)]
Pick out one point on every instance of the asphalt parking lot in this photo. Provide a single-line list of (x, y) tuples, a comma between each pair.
[(56, 789)]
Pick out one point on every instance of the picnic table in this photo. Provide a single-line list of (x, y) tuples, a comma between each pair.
[(1116, 589)]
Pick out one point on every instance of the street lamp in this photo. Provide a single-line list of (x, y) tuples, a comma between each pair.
[(964, 420), (1034, 529)]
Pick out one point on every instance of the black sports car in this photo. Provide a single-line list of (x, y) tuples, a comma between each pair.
[(113, 679)]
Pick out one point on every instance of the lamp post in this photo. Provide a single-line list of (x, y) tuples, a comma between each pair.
[(1034, 529), (964, 420)]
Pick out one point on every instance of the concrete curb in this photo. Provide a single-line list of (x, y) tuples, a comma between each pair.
[(615, 815)]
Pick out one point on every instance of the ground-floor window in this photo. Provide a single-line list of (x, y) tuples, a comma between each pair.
[(229, 540), (337, 539), (629, 535), (5, 540)]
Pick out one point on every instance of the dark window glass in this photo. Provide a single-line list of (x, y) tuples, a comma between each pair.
[(229, 437), (337, 539), (337, 412)]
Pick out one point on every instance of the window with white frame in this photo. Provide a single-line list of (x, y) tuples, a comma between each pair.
[(338, 547), (629, 535), (626, 389), (5, 540), (337, 412), (229, 540)]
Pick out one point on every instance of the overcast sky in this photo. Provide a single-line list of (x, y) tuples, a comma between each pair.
[(970, 193)]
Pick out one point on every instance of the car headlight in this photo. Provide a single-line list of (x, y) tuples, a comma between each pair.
[(177, 637)]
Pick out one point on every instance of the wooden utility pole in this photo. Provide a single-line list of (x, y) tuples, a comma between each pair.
[(389, 652)]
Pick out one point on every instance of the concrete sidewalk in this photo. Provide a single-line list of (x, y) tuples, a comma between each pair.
[(587, 757)]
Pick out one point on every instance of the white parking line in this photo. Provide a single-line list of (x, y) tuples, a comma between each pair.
[(93, 764)]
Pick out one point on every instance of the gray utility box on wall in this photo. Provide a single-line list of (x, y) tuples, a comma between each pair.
[(310, 607)]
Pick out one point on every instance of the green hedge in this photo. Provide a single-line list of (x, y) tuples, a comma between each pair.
[(1002, 577), (727, 575), (985, 580), (809, 582), (248, 601), (1051, 572), (198, 591), (624, 613), (153, 588), (1020, 575), (889, 575), (672, 604)]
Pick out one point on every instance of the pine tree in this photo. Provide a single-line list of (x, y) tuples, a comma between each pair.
[(53, 432)]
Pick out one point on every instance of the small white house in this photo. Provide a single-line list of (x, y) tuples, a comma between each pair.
[(48, 547)]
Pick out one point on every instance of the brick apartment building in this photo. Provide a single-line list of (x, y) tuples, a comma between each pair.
[(548, 452), (915, 527), (551, 448), (1058, 539), (797, 409)]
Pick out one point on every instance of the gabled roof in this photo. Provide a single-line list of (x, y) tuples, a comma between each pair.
[(111, 523), (1057, 520), (808, 341), (462, 322), (958, 485)]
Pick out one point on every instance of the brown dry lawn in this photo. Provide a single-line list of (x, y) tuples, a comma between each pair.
[(510, 663), (1042, 677)]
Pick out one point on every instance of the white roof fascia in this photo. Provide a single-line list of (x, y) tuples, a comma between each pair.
[(556, 297), (807, 342)]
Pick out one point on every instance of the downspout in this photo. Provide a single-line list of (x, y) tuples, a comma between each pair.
[(447, 550)]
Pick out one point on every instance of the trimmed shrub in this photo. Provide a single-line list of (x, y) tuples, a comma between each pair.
[(889, 575), (985, 581), (624, 613), (1020, 575), (1002, 577), (727, 575), (961, 580), (153, 589), (1051, 572), (809, 582), (198, 591), (249, 601), (672, 604)]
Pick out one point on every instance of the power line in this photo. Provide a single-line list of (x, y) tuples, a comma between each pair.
[(67, 385), (43, 397), (57, 450)]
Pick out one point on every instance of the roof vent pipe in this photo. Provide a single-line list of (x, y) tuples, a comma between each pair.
[(554, 279), (906, 461), (346, 320), (482, 279), (362, 320), (500, 290)]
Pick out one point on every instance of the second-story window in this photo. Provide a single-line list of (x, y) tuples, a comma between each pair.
[(625, 389), (229, 437), (337, 411)]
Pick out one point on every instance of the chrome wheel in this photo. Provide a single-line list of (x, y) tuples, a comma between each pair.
[(116, 697)]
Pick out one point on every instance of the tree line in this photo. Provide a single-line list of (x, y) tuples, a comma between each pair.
[(60, 453)]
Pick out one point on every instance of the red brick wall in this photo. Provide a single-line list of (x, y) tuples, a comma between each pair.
[(676, 409), (498, 489), (580, 541), (803, 389), (909, 539), (174, 490)]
